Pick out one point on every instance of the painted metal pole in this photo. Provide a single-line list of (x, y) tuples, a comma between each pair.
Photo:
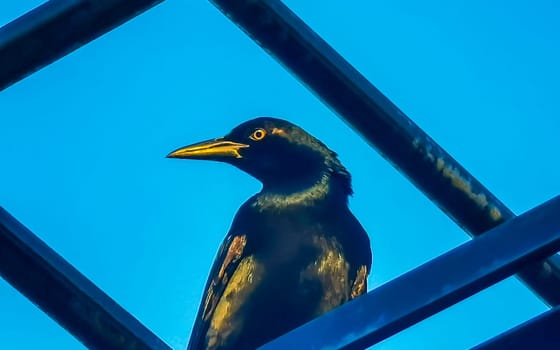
[(57, 28), (66, 295)]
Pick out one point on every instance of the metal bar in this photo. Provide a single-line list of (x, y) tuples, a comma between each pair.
[(434, 286), (66, 295), (60, 26), (57, 28), (540, 333), (472, 206)]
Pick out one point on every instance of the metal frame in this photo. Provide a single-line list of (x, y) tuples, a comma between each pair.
[(540, 333), (66, 295), (61, 26), (57, 28)]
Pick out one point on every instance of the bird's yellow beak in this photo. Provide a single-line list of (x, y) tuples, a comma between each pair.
[(211, 149)]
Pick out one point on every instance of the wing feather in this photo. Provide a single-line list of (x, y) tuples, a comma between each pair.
[(229, 256)]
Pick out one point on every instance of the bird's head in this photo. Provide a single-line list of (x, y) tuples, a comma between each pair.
[(280, 154)]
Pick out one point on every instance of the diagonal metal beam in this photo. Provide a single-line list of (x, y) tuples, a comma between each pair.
[(57, 28), (434, 286), (540, 333), (472, 206), (60, 26), (66, 295)]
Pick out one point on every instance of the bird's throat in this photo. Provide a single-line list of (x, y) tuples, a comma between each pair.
[(271, 198)]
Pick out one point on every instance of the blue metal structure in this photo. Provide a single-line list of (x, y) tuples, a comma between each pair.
[(57, 28), (524, 245), (540, 332), (71, 299)]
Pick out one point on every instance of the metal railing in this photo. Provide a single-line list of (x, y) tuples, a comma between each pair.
[(66, 295), (61, 26)]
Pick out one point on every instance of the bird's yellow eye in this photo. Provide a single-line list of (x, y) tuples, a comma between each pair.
[(258, 135)]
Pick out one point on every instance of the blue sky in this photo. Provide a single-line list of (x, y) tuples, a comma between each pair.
[(84, 140)]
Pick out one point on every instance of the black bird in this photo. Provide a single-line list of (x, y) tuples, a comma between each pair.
[(294, 250)]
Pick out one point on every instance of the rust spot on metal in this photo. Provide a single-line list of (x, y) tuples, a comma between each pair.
[(425, 149), (495, 213), (458, 180), (464, 185), (440, 164)]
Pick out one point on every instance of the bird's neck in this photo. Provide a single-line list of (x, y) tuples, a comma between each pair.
[(326, 189)]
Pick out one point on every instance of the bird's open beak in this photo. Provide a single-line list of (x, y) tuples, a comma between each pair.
[(216, 149)]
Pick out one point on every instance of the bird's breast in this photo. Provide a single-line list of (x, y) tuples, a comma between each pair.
[(301, 251), (303, 277), (286, 238)]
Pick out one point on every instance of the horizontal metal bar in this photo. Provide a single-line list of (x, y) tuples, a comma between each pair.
[(66, 295), (541, 332), (434, 286), (56, 28), (287, 38)]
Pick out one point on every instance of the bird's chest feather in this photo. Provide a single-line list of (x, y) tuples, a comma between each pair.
[(303, 259), (292, 272), (285, 238)]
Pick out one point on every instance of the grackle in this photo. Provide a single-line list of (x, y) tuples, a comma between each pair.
[(294, 250)]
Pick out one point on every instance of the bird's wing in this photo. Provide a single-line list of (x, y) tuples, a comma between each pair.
[(359, 286), (231, 278)]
